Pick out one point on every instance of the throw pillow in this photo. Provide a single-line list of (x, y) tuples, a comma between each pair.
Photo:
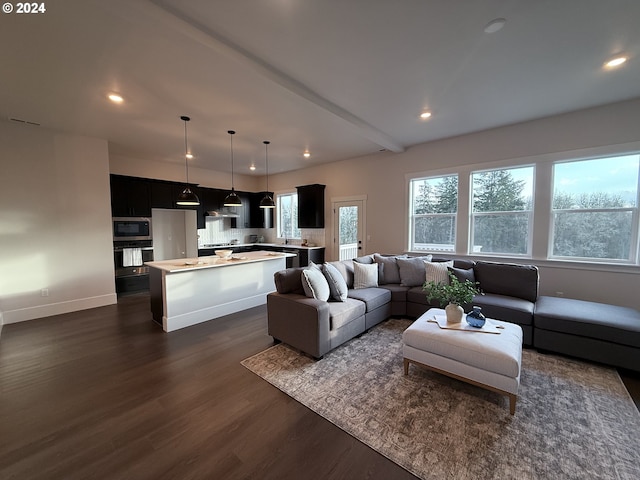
[(337, 283), (463, 274), (365, 275), (388, 267), (315, 284), (438, 271), (412, 270)]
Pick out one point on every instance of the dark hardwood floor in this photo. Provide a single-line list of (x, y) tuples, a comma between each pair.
[(106, 394)]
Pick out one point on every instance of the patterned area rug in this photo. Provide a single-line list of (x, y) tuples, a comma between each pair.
[(573, 420)]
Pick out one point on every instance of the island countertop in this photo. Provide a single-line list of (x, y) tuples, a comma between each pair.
[(198, 263)]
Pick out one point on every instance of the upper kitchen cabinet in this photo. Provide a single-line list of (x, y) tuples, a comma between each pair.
[(311, 206), (130, 196), (164, 194)]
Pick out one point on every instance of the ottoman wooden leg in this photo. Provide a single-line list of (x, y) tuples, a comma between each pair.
[(406, 366), (512, 403)]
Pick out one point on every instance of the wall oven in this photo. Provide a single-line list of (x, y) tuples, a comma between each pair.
[(128, 229)]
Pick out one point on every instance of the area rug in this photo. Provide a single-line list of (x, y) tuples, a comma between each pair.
[(573, 420)]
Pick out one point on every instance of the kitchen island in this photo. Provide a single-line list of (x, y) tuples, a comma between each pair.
[(188, 291)]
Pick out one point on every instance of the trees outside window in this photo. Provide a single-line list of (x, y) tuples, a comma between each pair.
[(434, 206), (287, 216), (502, 211), (595, 208)]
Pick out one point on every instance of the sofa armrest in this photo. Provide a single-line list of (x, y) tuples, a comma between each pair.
[(299, 321)]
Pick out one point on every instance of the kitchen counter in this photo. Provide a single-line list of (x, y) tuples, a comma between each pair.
[(189, 291), (187, 264), (260, 245)]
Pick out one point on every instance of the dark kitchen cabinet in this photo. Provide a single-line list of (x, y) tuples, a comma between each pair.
[(130, 196), (164, 194), (244, 211), (311, 206), (315, 255)]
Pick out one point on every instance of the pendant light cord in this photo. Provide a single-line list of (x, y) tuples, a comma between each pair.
[(186, 150), (231, 133), (266, 157)]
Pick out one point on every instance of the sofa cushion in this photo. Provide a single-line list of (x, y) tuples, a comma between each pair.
[(365, 275), (342, 313), (372, 297), (315, 284), (437, 271), (345, 267), (610, 323), (463, 274), (412, 270), (508, 309), (418, 295), (337, 283), (366, 259), (388, 268), (508, 279), (289, 281), (398, 292)]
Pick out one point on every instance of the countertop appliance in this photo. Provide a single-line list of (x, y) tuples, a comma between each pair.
[(127, 229)]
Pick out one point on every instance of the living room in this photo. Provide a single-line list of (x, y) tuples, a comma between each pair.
[(56, 213)]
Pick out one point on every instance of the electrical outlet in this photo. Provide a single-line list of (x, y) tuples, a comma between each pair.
[(44, 292)]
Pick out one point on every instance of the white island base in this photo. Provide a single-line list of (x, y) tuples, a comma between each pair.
[(189, 291)]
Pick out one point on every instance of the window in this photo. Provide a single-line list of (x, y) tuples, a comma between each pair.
[(595, 208), (434, 205), (287, 216), (502, 211)]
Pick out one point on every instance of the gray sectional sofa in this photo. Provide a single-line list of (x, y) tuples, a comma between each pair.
[(594, 331)]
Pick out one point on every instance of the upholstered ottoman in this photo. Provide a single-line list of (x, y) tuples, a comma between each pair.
[(488, 360)]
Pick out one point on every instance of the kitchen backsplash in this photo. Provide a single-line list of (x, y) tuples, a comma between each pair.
[(220, 231)]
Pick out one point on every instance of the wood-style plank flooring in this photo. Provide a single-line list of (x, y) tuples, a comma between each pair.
[(106, 394)]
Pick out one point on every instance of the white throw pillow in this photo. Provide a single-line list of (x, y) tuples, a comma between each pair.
[(337, 283), (315, 284), (438, 272), (365, 275)]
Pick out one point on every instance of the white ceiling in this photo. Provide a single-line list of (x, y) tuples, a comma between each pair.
[(341, 78)]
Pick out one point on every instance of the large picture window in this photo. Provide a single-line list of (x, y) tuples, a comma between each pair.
[(595, 208), (287, 216), (502, 211), (434, 206)]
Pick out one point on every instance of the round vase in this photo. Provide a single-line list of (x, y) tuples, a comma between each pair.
[(454, 313), (476, 318)]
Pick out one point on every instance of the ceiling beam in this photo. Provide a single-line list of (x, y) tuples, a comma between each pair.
[(211, 39)]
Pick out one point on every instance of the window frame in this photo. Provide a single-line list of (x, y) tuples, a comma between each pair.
[(529, 213), (634, 237), (294, 220), (414, 216)]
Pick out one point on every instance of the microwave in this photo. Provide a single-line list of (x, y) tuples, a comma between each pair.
[(131, 228)]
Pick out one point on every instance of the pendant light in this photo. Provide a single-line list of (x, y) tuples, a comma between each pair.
[(187, 197), (232, 200), (267, 201)]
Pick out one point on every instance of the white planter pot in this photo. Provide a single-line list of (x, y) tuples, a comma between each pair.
[(454, 313)]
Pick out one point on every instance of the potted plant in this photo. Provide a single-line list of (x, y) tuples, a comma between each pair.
[(452, 295)]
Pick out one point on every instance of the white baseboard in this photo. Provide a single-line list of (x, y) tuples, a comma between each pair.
[(31, 313)]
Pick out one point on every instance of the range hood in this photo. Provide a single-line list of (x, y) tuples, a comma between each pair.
[(224, 212)]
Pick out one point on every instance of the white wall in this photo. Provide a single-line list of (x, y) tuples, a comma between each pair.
[(55, 223), (175, 172), (382, 177)]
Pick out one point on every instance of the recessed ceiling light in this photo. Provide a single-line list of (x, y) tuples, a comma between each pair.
[(306, 154), (115, 98), (615, 62), (425, 115), (494, 25), (189, 155), (252, 167)]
